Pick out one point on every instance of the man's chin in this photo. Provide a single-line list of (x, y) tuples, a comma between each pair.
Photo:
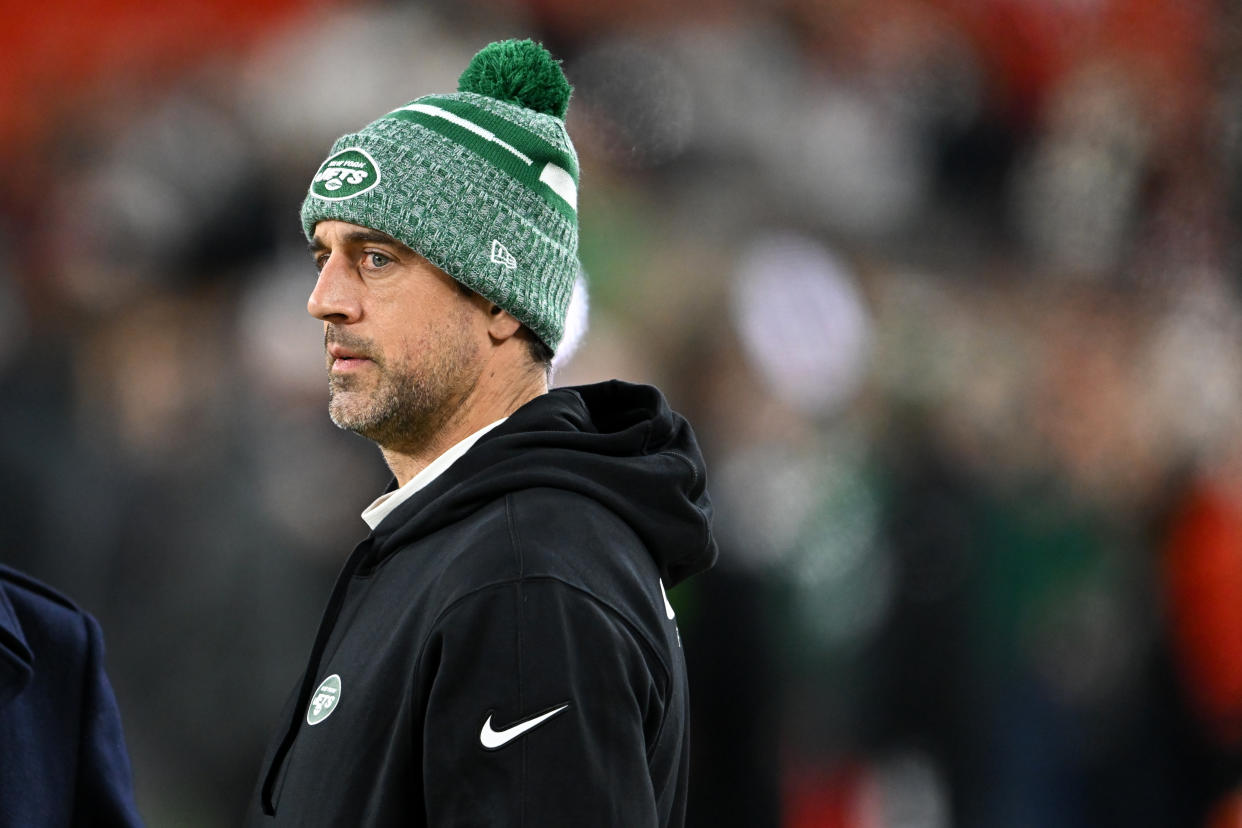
[(350, 413)]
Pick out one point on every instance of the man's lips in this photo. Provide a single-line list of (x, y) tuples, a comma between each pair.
[(345, 359)]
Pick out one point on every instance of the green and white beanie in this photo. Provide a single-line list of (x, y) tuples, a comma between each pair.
[(482, 182)]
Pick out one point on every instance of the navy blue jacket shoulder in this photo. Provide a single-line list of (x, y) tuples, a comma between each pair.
[(62, 756)]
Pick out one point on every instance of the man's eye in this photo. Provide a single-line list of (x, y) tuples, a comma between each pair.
[(320, 261), (377, 259)]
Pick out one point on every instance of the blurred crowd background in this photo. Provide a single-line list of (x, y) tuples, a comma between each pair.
[(949, 289)]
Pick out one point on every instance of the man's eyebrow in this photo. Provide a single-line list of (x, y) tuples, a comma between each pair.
[(318, 245)]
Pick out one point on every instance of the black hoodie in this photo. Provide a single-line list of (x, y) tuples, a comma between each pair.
[(500, 651)]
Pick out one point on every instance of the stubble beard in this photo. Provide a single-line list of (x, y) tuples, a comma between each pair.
[(404, 404)]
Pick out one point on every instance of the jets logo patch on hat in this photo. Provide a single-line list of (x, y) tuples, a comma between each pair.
[(348, 173)]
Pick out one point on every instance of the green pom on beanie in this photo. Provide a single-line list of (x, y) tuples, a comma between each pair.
[(520, 72), (482, 182)]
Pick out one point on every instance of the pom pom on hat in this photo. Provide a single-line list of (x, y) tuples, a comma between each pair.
[(520, 72)]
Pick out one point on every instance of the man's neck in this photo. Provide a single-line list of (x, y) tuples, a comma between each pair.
[(482, 407)]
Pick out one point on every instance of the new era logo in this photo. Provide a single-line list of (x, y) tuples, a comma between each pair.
[(502, 256)]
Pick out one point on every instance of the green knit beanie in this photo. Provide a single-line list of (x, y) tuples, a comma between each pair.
[(482, 182)]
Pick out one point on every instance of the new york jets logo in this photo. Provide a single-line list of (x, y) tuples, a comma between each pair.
[(348, 173), (324, 700)]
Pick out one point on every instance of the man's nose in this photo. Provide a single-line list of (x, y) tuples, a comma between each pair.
[(335, 297)]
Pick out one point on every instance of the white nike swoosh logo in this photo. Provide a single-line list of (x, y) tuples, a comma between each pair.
[(668, 608), (494, 739)]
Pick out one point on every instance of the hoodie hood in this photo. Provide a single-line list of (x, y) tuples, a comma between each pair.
[(615, 442)]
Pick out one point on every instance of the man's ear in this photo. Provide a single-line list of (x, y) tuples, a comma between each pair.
[(501, 324)]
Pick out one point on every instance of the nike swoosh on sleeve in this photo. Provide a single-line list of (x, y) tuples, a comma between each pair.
[(496, 739)]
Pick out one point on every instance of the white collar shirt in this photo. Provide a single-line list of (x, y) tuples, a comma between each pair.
[(383, 505)]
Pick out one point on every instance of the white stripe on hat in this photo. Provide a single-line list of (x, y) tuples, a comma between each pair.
[(561, 183), (486, 134)]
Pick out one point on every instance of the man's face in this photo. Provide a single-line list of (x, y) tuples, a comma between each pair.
[(402, 341)]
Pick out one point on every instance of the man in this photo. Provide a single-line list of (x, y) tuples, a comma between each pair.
[(62, 756), (499, 651)]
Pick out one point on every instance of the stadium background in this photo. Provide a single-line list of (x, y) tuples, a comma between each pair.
[(949, 289)]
